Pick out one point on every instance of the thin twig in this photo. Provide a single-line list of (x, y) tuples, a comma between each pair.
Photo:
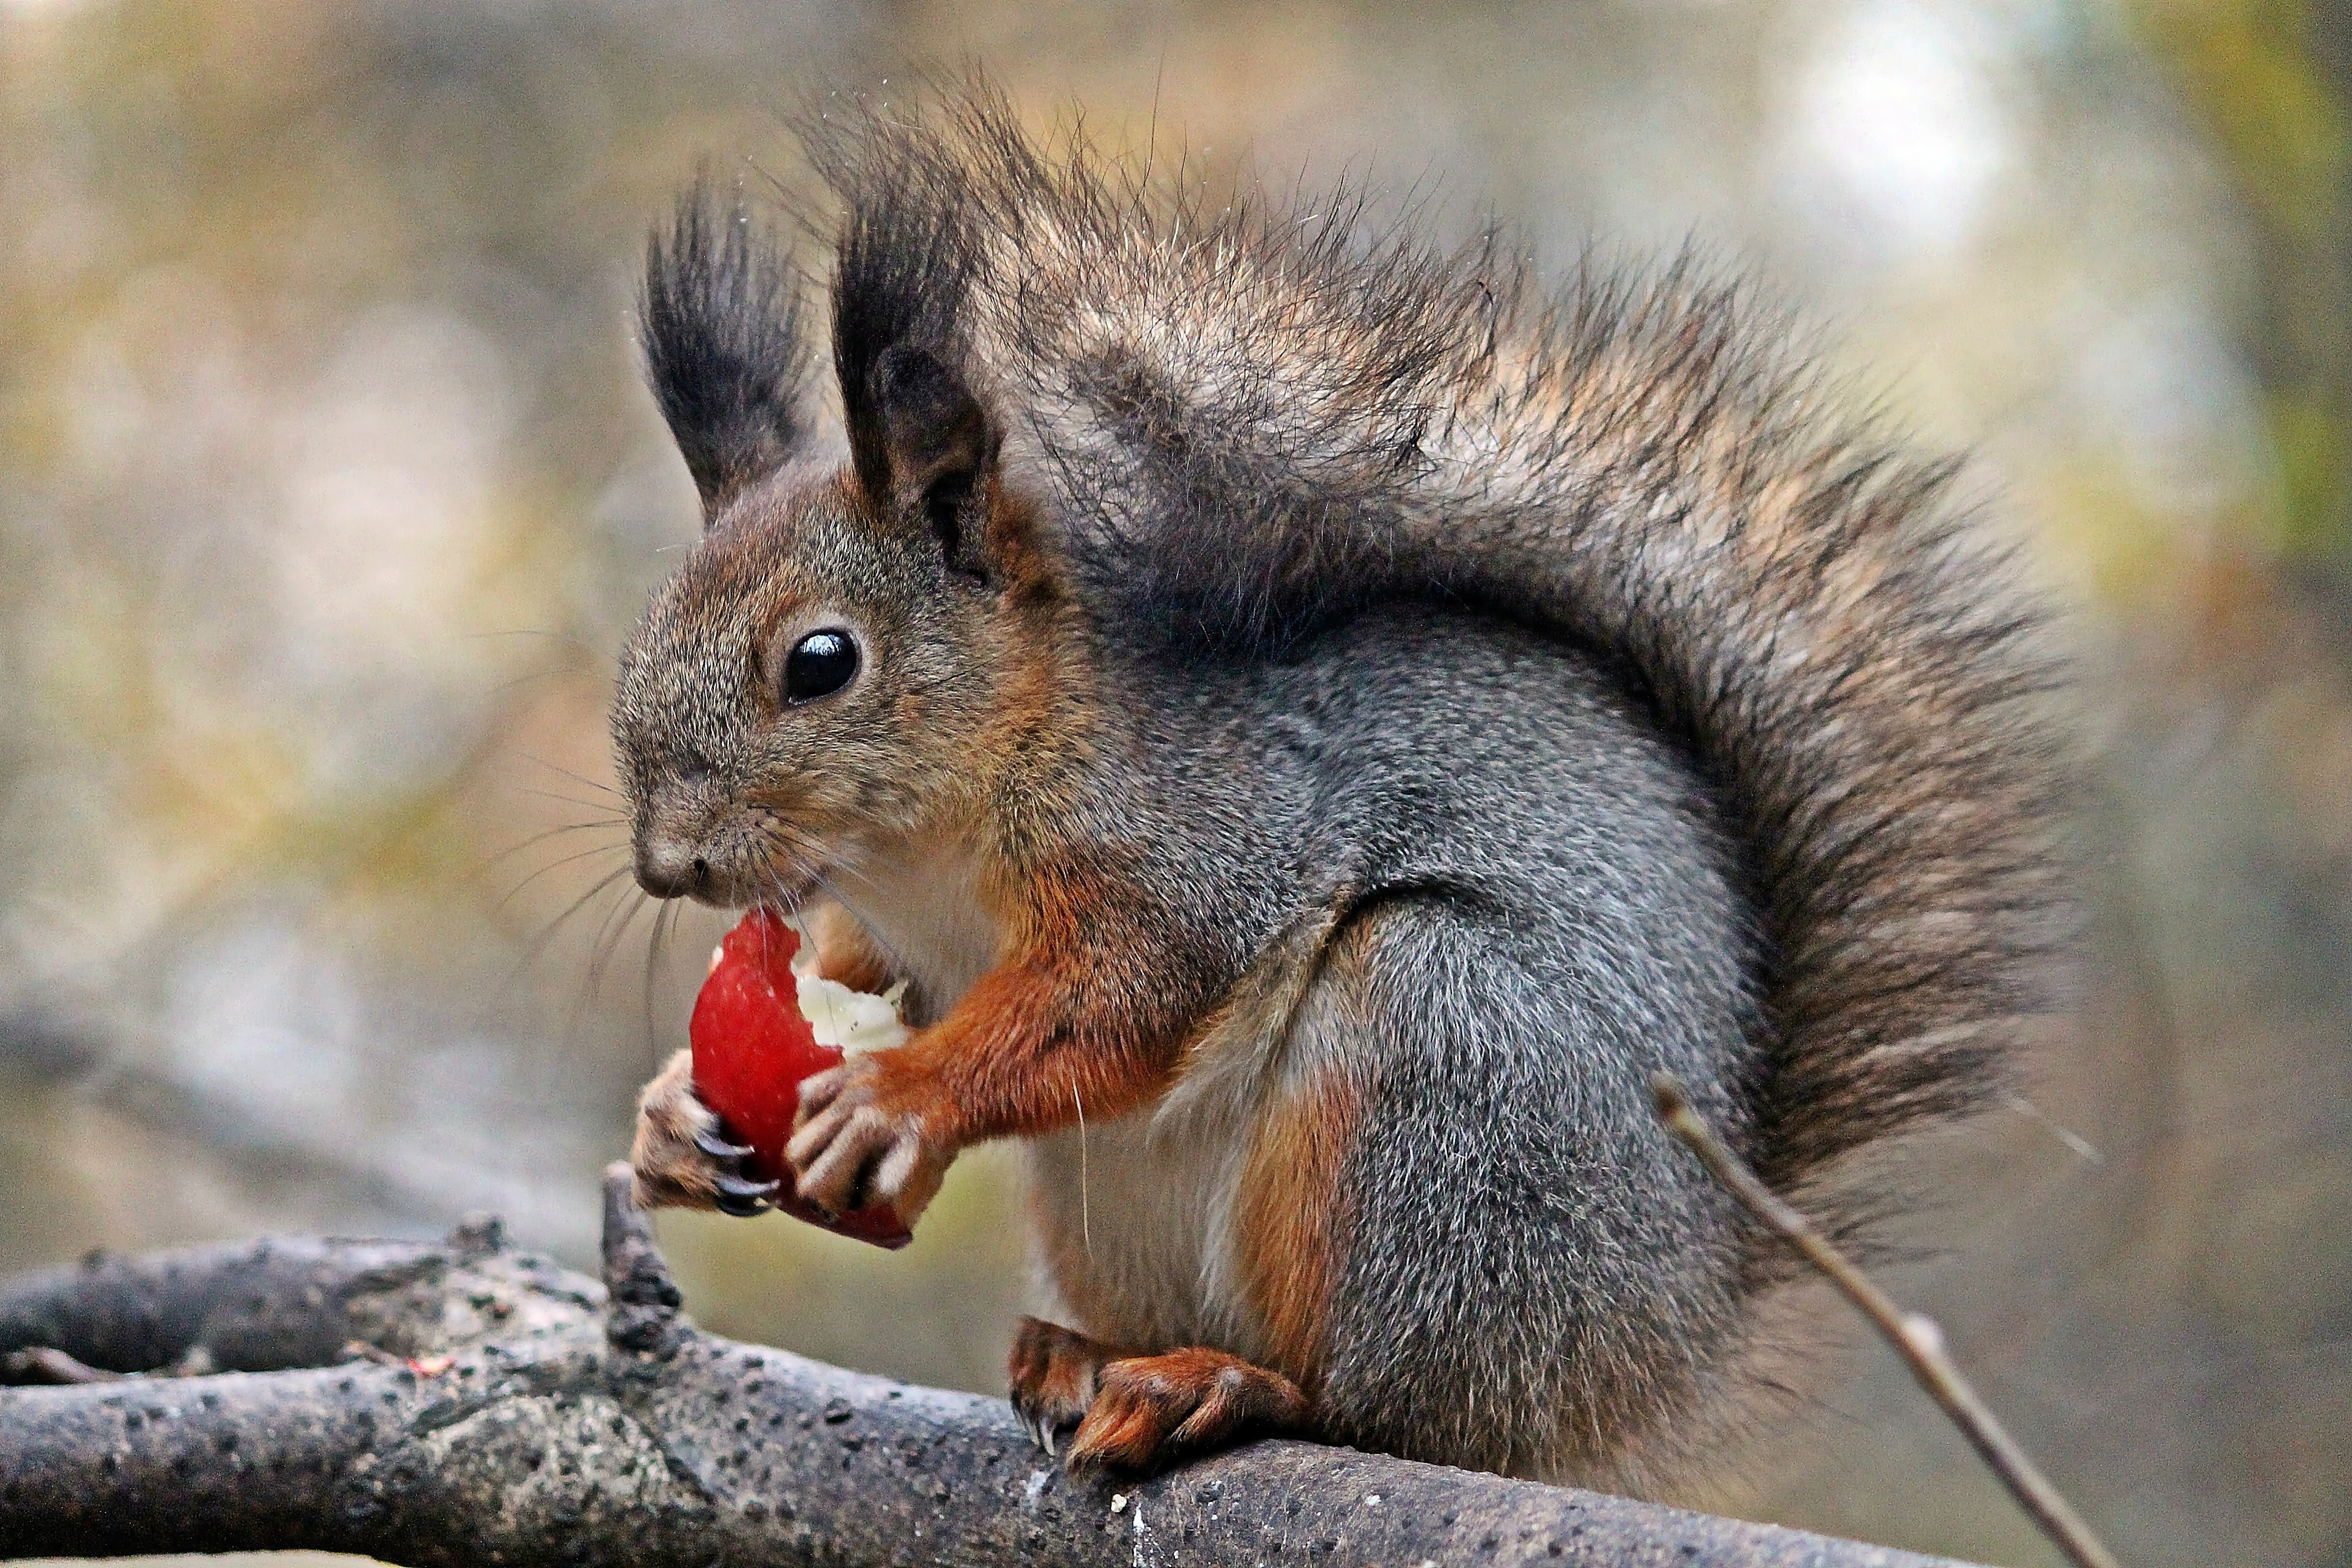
[(1914, 1336)]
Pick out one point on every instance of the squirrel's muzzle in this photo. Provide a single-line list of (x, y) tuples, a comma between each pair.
[(669, 868)]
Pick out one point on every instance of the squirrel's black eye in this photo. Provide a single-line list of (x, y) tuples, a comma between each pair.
[(819, 665)]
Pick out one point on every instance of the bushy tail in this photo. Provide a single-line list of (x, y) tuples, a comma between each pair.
[(1257, 420)]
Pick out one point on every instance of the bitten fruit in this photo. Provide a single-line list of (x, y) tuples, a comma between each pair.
[(752, 1047)]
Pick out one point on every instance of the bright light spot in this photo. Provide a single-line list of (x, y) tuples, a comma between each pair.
[(388, 518), (1903, 115), (388, 538)]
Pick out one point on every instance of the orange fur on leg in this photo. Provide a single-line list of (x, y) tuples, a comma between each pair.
[(1287, 1231), (1020, 1053), (1149, 1410), (1034, 1041)]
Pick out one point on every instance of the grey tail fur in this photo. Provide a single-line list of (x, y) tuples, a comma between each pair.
[(1257, 420)]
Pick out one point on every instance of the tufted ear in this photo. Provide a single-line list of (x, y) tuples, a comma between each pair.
[(720, 321), (922, 444)]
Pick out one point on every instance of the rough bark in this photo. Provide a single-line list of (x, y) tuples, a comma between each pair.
[(464, 1402)]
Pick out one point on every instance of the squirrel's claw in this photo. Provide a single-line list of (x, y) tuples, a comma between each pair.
[(682, 1155), (1148, 1411), (741, 1198), (729, 1191), (1052, 1372), (718, 1148), (1046, 1432), (1038, 1426)]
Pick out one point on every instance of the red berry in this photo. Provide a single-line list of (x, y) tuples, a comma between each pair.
[(751, 1049)]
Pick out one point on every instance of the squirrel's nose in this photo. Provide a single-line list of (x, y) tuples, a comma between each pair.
[(668, 867)]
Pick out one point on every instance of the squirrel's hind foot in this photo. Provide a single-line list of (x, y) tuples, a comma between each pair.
[(1142, 1413), (1053, 1372)]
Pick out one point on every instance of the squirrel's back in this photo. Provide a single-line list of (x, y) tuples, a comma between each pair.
[(1255, 424)]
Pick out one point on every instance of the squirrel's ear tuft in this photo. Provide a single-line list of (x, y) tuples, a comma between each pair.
[(719, 318), (921, 442)]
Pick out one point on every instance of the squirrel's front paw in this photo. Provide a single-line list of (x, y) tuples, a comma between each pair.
[(682, 1156), (853, 1147)]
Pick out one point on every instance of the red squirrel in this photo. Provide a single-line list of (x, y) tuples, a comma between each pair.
[(1318, 723)]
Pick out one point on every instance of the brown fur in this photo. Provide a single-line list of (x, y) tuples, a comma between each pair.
[(1152, 1409), (847, 952), (671, 1173), (1054, 1374), (1290, 1220)]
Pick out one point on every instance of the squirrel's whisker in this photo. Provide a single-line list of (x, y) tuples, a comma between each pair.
[(664, 921), (547, 932), (633, 900), (899, 965), (514, 849), (557, 865), (584, 805), (597, 784)]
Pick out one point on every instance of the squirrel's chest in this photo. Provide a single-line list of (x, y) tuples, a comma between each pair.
[(923, 905), (1134, 1227)]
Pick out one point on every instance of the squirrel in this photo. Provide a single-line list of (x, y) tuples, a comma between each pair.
[(1318, 721)]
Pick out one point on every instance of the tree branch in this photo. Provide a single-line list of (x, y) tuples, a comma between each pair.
[(529, 1417)]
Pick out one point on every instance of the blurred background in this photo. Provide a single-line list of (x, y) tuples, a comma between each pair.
[(328, 489)]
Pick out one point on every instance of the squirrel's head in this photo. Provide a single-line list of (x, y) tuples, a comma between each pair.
[(823, 677)]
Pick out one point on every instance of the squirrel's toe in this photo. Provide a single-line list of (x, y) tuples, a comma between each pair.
[(1053, 1372), (1151, 1410)]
